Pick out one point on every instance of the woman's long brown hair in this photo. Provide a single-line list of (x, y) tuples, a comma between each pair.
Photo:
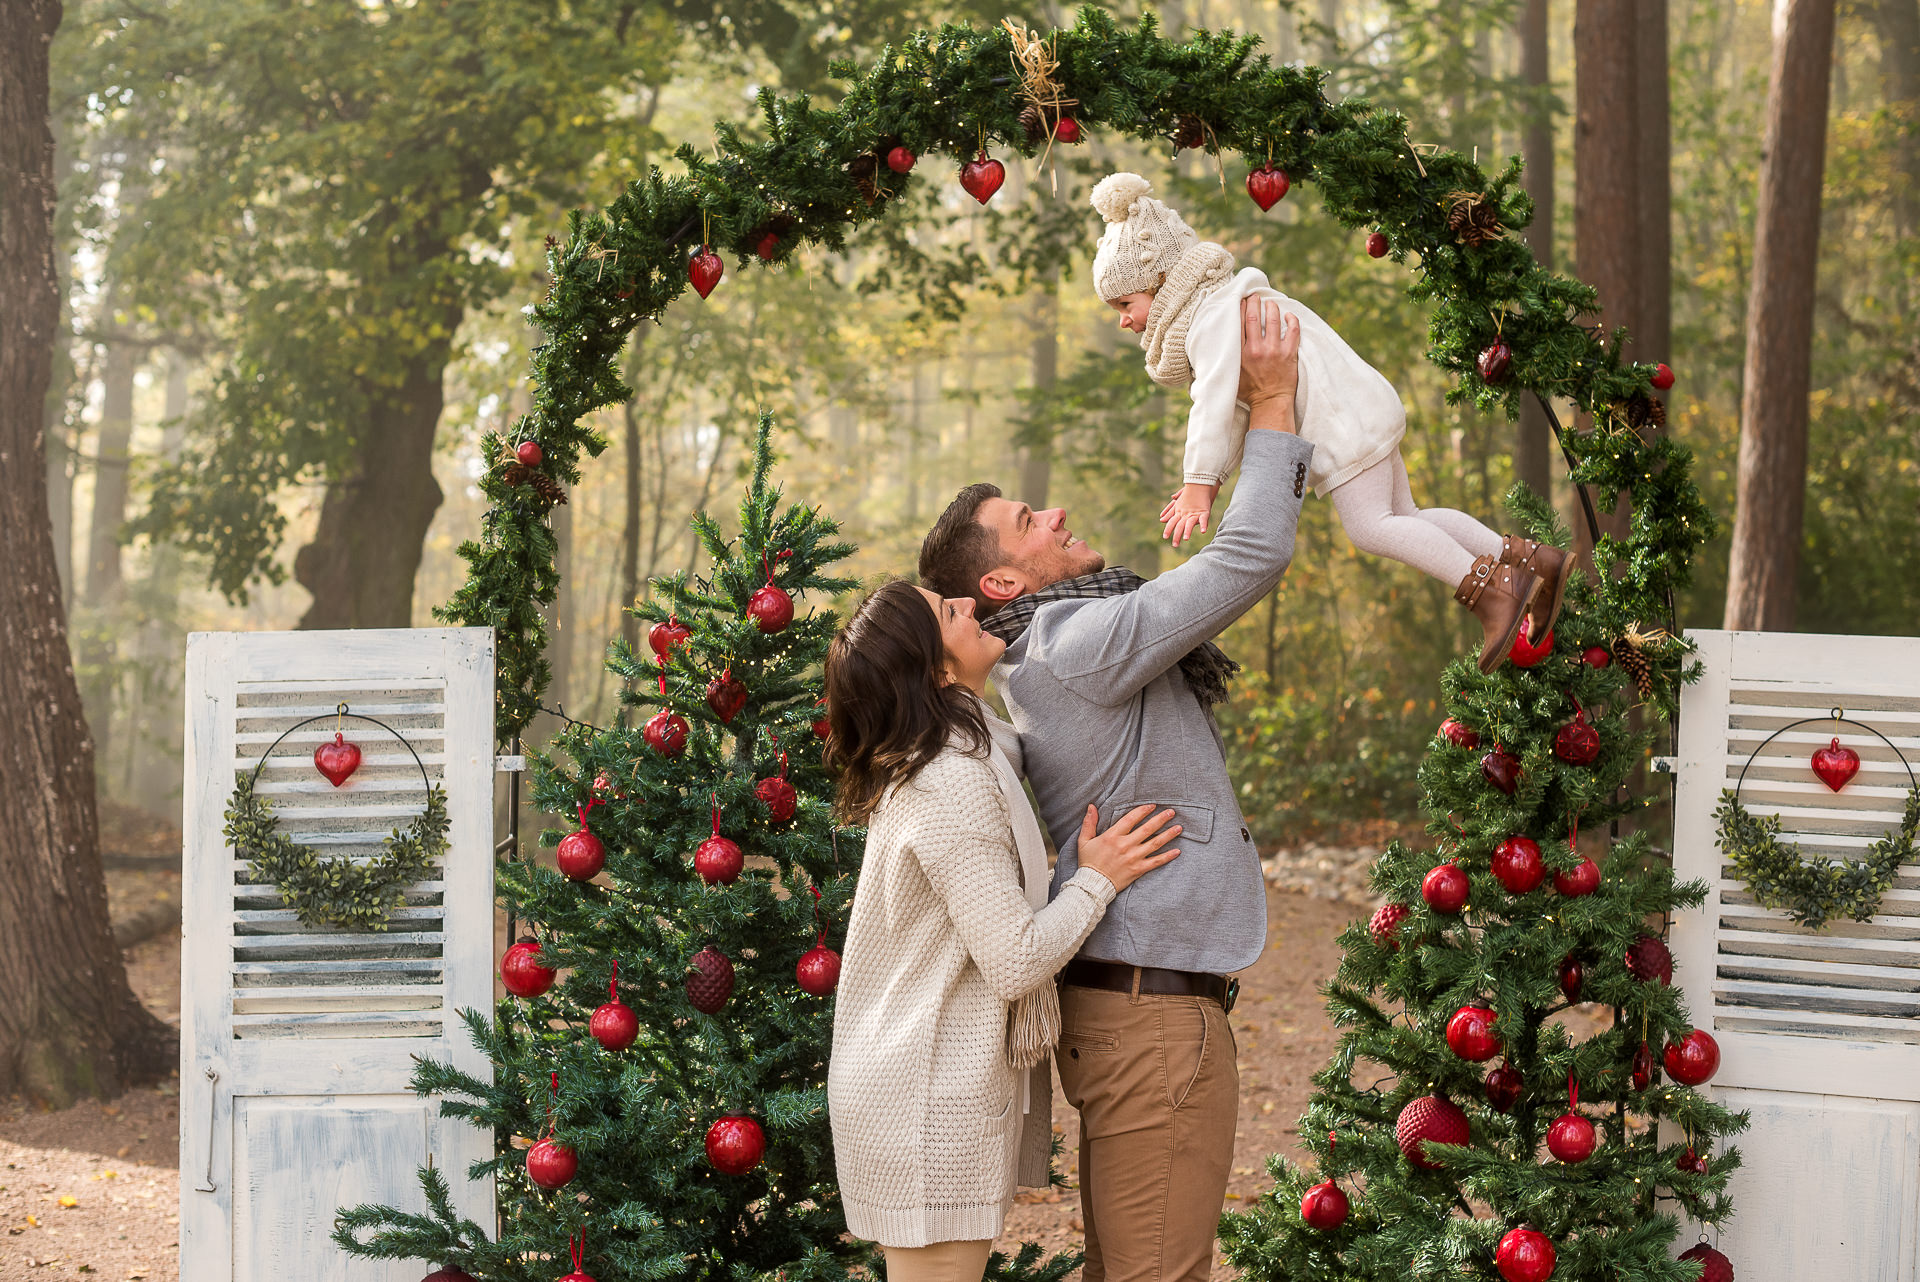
[(889, 704)]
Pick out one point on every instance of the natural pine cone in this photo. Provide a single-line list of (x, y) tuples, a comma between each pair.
[(1474, 221), (546, 487), (1034, 122), (1189, 131), (1643, 410), (862, 169), (1637, 666), (516, 474)]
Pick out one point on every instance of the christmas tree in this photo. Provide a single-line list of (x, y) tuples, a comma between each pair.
[(1461, 1129), (660, 1073)]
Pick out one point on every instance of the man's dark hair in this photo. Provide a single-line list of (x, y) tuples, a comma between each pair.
[(958, 550)]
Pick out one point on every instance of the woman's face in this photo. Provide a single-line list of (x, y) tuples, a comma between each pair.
[(970, 651)]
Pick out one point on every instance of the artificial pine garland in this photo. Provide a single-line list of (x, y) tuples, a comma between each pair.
[(332, 890), (1813, 891)]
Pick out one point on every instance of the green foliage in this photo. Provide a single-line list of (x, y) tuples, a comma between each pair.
[(1811, 891)]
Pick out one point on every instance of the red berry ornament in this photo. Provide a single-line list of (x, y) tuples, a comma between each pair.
[(1503, 1085), (1470, 1034), (339, 759), (1693, 1059), (1444, 888), (1596, 656), (778, 796), (581, 855), (1267, 186), (663, 637), (666, 733), (1458, 735), (1384, 925), (1572, 976), (818, 971), (1525, 1255), (1578, 743), (1501, 769), (1495, 363), (1647, 959), (735, 1145), (900, 160), (1662, 377), (1583, 879), (982, 176), (1834, 764), (710, 980), (1516, 862), (521, 972), (726, 695), (1324, 1207), (1524, 652), (1067, 131), (1431, 1117), (1714, 1267), (770, 608), (705, 271), (529, 453), (551, 1164), (1377, 245)]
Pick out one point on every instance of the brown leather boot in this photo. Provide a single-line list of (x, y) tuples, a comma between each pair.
[(1497, 595), (1551, 568)]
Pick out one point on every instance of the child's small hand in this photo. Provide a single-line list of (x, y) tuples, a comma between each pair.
[(1188, 510)]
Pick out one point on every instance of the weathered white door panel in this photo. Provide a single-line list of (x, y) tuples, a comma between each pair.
[(298, 1042), (1819, 1031)]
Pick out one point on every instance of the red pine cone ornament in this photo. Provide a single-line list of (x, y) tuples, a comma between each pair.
[(1516, 862), (1578, 743), (1571, 1138), (900, 159), (726, 695), (1324, 1207), (1647, 959), (1525, 653), (666, 733), (710, 981), (1503, 1086), (521, 972), (1384, 925), (1525, 1255), (1834, 764), (529, 453), (1431, 1117), (1377, 245), (663, 637), (339, 759), (1582, 879), (581, 855), (1267, 186), (1458, 735), (982, 176), (777, 795), (1693, 1059), (551, 1164), (1495, 362), (705, 270), (1573, 977), (1644, 1069), (1445, 888), (1470, 1034), (1501, 769), (614, 1025), (1662, 377), (735, 1145), (1714, 1267), (818, 971)]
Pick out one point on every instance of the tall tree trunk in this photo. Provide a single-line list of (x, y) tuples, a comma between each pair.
[(1532, 454), (1897, 22), (363, 557), (110, 452), (1763, 573), (1036, 467), (69, 1024), (1653, 319)]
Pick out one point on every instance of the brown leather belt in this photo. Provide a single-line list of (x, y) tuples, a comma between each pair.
[(1118, 977)]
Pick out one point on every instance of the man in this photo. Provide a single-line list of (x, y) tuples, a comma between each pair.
[(1110, 681)]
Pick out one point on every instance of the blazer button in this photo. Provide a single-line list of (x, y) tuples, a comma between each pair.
[(1245, 835)]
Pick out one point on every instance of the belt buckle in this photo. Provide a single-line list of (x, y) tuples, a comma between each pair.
[(1233, 995)]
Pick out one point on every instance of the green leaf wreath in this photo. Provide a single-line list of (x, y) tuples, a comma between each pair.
[(333, 890), (1812, 890)]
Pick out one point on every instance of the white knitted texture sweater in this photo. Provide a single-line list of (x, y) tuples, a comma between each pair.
[(924, 1103)]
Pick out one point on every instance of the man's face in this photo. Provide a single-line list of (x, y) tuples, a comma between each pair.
[(1036, 548)]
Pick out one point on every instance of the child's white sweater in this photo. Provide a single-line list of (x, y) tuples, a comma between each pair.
[(1344, 406)]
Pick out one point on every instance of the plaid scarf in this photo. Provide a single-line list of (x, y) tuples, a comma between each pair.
[(1206, 667)]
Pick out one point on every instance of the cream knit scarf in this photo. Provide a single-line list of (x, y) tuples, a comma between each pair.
[(1034, 1024), (1204, 268)]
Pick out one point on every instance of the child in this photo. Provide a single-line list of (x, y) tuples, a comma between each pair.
[(1182, 296)]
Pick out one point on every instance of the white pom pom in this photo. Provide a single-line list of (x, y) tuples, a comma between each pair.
[(1114, 195)]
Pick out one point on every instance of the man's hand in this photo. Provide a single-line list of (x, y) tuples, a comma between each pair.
[(1188, 510), (1269, 363)]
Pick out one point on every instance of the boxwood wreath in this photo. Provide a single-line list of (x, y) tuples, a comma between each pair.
[(1812, 891), (807, 175)]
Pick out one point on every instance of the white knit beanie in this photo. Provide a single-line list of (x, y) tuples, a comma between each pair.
[(1143, 239)]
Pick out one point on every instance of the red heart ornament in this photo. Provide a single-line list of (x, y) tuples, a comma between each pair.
[(726, 695), (339, 759), (1494, 363), (1267, 185), (982, 177), (1835, 765), (705, 271)]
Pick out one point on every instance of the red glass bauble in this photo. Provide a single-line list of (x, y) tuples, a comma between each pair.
[(577, 1276), (1516, 862), (1596, 656), (1571, 1138), (664, 636), (1690, 1162), (1503, 1085), (1834, 764), (666, 733), (1470, 1034), (1644, 1069), (1377, 245), (1582, 879), (521, 972), (1324, 1207), (1714, 1267), (770, 608), (1458, 735), (339, 759), (1501, 769), (778, 796), (900, 159), (581, 855), (768, 246), (1524, 652), (726, 695), (822, 728), (1572, 976), (982, 176), (1384, 925), (1647, 959), (818, 971), (1444, 888), (614, 1025), (705, 270), (1693, 1059), (1495, 362), (447, 1273), (1267, 186), (710, 981), (1578, 743), (529, 453), (552, 1165), (1067, 131), (718, 861), (1662, 377), (735, 1145), (1525, 1255), (1431, 1117)]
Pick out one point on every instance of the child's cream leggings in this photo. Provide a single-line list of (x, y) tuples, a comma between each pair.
[(1377, 511)]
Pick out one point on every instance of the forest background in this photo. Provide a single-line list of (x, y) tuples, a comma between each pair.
[(297, 242)]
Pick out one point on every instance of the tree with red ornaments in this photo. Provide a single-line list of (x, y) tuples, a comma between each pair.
[(1513, 1096)]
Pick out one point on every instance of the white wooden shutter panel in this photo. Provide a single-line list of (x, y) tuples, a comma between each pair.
[(298, 1041)]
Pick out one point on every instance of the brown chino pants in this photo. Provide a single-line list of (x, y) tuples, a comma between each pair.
[(1158, 1089)]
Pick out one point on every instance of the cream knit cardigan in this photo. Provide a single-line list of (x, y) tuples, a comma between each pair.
[(925, 1105)]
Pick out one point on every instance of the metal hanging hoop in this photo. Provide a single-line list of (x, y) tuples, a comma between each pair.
[(1835, 716), (341, 713)]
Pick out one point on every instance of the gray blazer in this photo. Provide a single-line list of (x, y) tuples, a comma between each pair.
[(1104, 716)]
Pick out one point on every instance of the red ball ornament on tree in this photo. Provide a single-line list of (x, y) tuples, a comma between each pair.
[(1525, 1255), (1267, 186), (735, 1145), (818, 971), (778, 796), (1693, 1059), (663, 637), (1445, 888), (1431, 1117), (551, 1164), (1834, 764), (769, 246), (710, 980), (339, 759), (521, 972), (1470, 1034), (1662, 377), (1495, 362), (1501, 769), (1503, 1086), (666, 733), (1458, 735), (982, 176), (1377, 245), (1647, 959), (581, 855), (717, 859), (705, 270), (579, 1245), (1596, 656), (1067, 131), (1582, 879), (1714, 1267), (770, 608), (1324, 1207), (1516, 862), (529, 453), (726, 695), (447, 1273), (1571, 1138), (900, 159), (1384, 925), (1578, 743), (614, 1025), (1525, 653)]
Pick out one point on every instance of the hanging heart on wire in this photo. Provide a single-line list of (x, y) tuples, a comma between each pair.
[(338, 760), (1836, 765)]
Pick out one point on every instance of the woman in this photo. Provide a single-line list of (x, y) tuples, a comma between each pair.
[(946, 996)]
